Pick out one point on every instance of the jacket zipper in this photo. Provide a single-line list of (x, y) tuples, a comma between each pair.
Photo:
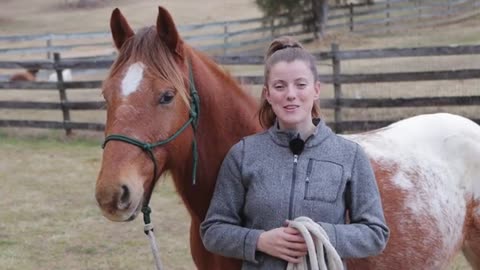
[(292, 188), (307, 180)]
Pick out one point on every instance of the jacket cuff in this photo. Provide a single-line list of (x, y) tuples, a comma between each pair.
[(331, 232), (250, 245)]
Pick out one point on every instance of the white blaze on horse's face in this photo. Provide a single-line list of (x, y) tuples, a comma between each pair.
[(132, 78)]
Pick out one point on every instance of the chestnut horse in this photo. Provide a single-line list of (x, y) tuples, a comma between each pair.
[(427, 167), (29, 75)]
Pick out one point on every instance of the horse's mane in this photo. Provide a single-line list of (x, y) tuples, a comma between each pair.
[(146, 47), (225, 75)]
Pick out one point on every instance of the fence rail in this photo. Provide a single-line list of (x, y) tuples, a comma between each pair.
[(247, 35), (338, 103)]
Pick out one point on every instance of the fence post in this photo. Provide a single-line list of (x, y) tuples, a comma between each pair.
[(63, 94), (350, 7), (337, 87), (420, 12), (225, 39), (315, 19), (448, 8), (388, 16), (49, 45), (272, 28)]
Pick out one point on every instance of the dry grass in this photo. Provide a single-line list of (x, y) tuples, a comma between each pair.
[(51, 16), (49, 218)]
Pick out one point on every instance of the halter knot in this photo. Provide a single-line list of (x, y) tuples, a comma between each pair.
[(193, 114), (146, 214), (147, 147)]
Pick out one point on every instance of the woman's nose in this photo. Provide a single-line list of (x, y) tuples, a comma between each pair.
[(291, 95)]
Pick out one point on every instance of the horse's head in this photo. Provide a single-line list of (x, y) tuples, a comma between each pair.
[(147, 102)]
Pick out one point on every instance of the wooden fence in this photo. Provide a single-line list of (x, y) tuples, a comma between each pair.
[(220, 38), (250, 35), (336, 78), (387, 16)]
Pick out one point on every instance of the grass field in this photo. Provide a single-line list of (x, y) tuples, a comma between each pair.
[(48, 215), (49, 218)]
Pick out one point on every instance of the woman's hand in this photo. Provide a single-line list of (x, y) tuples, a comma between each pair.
[(285, 243)]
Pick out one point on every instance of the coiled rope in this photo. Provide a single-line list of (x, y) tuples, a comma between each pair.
[(318, 246)]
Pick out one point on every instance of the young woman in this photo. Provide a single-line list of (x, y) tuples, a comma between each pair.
[(297, 167)]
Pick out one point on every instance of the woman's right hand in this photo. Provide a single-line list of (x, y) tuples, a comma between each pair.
[(285, 243)]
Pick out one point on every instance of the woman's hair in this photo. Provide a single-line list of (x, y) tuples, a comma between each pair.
[(284, 49)]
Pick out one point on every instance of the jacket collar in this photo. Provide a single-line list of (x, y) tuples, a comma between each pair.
[(283, 137)]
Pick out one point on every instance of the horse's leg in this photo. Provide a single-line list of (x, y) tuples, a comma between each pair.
[(205, 260), (471, 245)]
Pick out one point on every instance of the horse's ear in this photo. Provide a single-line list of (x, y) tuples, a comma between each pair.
[(168, 32), (121, 31)]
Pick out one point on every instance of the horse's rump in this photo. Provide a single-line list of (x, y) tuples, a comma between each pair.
[(426, 169)]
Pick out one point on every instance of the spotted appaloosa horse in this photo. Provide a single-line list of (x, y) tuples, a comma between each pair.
[(427, 167)]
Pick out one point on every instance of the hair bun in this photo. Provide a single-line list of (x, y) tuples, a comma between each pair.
[(281, 43)]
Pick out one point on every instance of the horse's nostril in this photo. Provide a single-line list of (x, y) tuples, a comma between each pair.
[(125, 197)]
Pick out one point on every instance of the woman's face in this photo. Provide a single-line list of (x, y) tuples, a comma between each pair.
[(291, 91)]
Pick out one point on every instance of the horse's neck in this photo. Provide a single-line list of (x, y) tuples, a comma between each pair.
[(227, 114)]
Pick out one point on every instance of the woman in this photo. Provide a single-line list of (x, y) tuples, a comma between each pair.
[(298, 167)]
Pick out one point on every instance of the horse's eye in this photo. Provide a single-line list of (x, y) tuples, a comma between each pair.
[(167, 97)]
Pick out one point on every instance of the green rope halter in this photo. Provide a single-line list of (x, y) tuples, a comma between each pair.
[(148, 147)]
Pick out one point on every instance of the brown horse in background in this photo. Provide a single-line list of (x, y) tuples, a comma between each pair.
[(429, 188), (28, 75)]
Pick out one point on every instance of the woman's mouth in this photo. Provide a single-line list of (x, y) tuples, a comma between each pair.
[(290, 108)]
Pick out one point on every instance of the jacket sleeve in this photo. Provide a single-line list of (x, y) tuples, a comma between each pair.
[(367, 233), (222, 230)]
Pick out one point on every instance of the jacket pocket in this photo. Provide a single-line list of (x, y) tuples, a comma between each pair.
[(323, 180)]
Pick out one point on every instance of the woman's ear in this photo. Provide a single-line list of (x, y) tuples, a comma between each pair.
[(266, 93), (317, 90)]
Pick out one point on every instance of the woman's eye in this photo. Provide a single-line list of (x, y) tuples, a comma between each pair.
[(278, 86), (167, 97)]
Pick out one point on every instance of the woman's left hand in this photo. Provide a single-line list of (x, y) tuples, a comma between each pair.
[(285, 243)]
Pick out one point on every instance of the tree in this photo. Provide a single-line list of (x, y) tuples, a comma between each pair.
[(313, 12)]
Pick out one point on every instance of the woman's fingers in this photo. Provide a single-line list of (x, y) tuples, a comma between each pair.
[(291, 255), (297, 247), (291, 259), (295, 253), (293, 237), (293, 246), (291, 230)]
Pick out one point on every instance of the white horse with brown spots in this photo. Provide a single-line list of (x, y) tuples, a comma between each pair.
[(428, 172)]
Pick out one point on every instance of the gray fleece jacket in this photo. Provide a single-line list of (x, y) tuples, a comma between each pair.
[(261, 184)]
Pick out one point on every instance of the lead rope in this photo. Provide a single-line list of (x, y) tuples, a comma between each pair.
[(316, 246), (148, 230), (193, 121)]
